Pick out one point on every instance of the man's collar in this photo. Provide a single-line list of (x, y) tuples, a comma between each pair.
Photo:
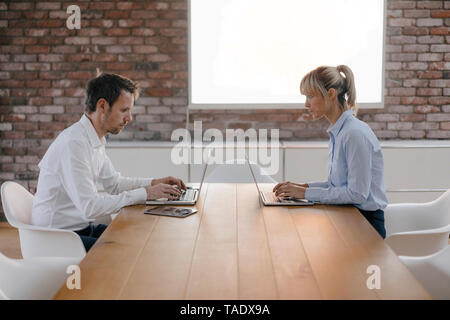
[(92, 134), (336, 128)]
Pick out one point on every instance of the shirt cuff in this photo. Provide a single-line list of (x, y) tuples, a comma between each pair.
[(315, 194), (323, 184), (138, 196)]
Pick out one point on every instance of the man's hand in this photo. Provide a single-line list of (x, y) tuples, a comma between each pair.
[(170, 180), (162, 190), (290, 190)]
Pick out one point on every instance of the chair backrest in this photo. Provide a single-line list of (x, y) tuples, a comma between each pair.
[(17, 203), (442, 205), (237, 171), (37, 278)]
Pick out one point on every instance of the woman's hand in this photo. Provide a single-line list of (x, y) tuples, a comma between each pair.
[(304, 185), (290, 190)]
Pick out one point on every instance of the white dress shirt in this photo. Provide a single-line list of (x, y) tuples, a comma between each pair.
[(75, 163)]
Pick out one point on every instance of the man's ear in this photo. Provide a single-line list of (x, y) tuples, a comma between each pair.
[(101, 105)]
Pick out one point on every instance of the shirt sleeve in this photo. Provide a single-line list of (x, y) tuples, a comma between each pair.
[(358, 155), (77, 179), (114, 183), (322, 184)]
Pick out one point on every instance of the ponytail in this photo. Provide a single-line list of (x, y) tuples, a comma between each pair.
[(349, 88)]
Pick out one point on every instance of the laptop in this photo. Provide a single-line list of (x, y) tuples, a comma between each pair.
[(188, 196), (270, 199)]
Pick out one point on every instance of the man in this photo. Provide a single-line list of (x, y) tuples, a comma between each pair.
[(67, 196)]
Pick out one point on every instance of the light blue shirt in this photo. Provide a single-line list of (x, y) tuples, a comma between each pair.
[(355, 167)]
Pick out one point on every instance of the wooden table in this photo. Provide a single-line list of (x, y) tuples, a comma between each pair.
[(235, 248)]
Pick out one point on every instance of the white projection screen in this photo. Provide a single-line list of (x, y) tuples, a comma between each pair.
[(247, 54)]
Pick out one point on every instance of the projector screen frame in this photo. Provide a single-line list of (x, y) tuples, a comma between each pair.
[(255, 106)]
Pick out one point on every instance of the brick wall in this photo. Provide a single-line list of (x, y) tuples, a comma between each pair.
[(44, 68)]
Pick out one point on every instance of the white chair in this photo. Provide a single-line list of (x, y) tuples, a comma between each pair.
[(433, 272), (37, 241), (33, 278), (418, 229), (237, 171)]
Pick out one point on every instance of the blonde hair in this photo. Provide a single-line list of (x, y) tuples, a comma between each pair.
[(323, 78)]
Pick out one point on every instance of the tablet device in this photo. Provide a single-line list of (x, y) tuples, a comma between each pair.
[(171, 211)]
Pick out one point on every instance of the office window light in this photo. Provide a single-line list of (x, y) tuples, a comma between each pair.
[(253, 53)]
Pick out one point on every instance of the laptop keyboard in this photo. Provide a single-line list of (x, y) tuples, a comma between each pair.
[(271, 197), (187, 195)]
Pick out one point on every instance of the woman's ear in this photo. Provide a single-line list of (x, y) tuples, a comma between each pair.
[(332, 93)]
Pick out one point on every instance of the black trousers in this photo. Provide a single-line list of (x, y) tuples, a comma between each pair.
[(90, 234), (376, 219)]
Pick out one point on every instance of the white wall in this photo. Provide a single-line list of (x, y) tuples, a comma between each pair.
[(416, 165)]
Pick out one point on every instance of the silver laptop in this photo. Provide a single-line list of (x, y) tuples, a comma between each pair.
[(270, 199), (188, 196)]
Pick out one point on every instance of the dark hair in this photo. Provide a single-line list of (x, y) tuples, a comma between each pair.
[(109, 87)]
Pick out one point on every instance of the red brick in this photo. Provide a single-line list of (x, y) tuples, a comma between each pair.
[(21, 6), (414, 117), (156, 23), (412, 134), (433, 39), (101, 5), (413, 100), (439, 31), (440, 14), (48, 6), (11, 84), (37, 49), (401, 4), (439, 100), (129, 5), (440, 48), (160, 92), (429, 75), (145, 49), (145, 32), (130, 23), (41, 134), (419, 48), (118, 49), (445, 125), (429, 4), (426, 109), (54, 126), (116, 32), (429, 91), (38, 84), (144, 14), (402, 91), (438, 117), (401, 22), (430, 57), (444, 83), (77, 40), (416, 13), (82, 75), (113, 14)]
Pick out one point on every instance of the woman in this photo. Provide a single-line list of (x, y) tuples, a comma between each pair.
[(355, 161)]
